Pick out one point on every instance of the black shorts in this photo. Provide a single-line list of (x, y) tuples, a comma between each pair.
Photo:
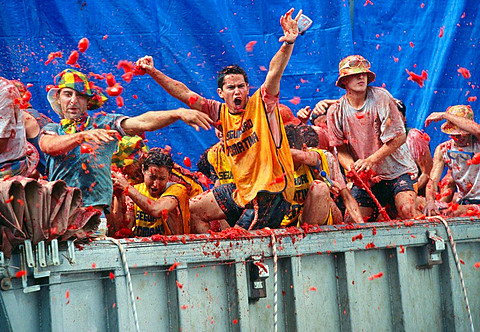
[(385, 191), (271, 208)]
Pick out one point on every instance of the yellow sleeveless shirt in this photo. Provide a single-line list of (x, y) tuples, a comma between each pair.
[(257, 163), (217, 158), (304, 176), (146, 225)]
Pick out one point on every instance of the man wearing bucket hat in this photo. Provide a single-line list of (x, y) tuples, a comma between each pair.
[(79, 149), (17, 157), (366, 128), (461, 154)]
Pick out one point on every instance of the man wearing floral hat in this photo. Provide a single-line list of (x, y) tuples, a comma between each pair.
[(366, 128), (461, 155), (79, 149)]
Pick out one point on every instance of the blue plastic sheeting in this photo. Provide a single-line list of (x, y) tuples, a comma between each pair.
[(382, 32), (189, 40)]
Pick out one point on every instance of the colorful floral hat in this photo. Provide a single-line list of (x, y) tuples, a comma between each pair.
[(351, 65), (73, 79), (463, 111)]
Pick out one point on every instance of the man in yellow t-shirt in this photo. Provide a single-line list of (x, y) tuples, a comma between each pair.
[(157, 205), (255, 143)]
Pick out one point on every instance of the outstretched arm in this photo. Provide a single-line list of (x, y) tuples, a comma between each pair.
[(155, 120), (174, 88), (281, 58), (55, 145)]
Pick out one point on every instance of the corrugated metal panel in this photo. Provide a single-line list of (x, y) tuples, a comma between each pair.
[(323, 282)]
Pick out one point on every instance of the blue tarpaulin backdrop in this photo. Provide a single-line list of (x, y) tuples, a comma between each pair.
[(192, 40)]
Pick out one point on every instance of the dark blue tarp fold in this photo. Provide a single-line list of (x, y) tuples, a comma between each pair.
[(192, 40)]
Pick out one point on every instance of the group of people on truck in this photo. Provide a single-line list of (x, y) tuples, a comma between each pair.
[(355, 163)]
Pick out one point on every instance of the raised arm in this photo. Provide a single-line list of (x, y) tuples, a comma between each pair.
[(174, 88), (155, 120), (465, 124), (280, 59)]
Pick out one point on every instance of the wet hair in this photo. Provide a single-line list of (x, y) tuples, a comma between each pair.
[(157, 157), (229, 70), (293, 135), (301, 134), (401, 107), (309, 136)]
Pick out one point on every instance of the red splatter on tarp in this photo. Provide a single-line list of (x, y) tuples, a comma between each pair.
[(465, 72), (105, 37), (111, 276), (472, 98), (110, 79), (411, 44), (52, 56), (376, 276), (20, 273), (187, 162), (250, 45), (368, 2), (419, 79), (72, 59), (440, 35), (83, 44), (295, 100), (263, 68), (119, 101), (115, 90)]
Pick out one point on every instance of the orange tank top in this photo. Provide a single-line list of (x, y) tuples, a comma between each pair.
[(257, 163)]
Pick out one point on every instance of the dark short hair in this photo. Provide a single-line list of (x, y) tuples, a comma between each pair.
[(228, 70), (401, 107), (298, 135), (157, 157)]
